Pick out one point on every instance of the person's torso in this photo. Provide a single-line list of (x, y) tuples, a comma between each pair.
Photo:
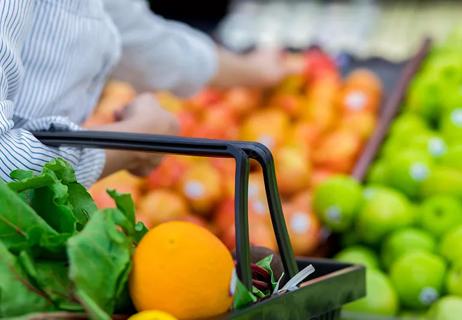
[(67, 56)]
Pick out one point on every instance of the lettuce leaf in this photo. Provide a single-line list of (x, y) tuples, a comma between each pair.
[(17, 294), (100, 262)]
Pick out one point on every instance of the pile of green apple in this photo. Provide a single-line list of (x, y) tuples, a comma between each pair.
[(405, 223)]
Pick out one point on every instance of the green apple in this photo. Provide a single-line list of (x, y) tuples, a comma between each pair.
[(381, 298), (424, 97), (358, 255), (454, 280), (408, 170), (418, 278), (440, 213), (430, 142), (451, 125), (403, 241), (407, 124), (447, 308), (384, 210), (378, 173), (452, 158), (443, 180), (451, 245), (336, 201)]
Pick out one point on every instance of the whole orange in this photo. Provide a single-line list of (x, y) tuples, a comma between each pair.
[(182, 269)]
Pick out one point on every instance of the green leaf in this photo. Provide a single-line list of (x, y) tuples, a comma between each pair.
[(20, 227), (140, 231), (17, 294), (242, 297), (125, 204), (51, 277), (82, 204), (265, 263), (100, 262)]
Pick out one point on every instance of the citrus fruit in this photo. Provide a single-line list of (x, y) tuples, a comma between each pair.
[(358, 255), (447, 308), (440, 213), (152, 315), (201, 185), (408, 170), (381, 298), (443, 180), (182, 269), (336, 202), (418, 278), (384, 210), (451, 245), (454, 279), (403, 241)]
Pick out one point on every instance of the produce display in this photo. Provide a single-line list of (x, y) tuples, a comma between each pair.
[(405, 223), (315, 123), (61, 257)]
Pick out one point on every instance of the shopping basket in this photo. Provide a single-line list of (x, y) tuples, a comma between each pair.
[(321, 297)]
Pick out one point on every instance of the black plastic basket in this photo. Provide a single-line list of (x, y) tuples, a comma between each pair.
[(332, 285)]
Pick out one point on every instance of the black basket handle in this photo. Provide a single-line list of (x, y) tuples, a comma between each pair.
[(242, 152)]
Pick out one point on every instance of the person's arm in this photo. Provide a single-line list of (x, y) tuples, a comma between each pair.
[(19, 149), (159, 54)]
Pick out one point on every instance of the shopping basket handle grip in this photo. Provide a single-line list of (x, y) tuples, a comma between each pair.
[(240, 151)]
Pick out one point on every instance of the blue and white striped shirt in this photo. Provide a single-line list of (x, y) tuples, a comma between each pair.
[(56, 55)]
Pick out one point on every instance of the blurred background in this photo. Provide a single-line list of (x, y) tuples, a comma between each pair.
[(388, 28)]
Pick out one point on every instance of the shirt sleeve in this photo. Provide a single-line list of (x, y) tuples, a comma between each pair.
[(159, 54), (19, 149)]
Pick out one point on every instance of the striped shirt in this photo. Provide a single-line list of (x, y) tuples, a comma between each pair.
[(56, 55)]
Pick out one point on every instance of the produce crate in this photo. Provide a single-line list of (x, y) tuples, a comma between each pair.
[(322, 297)]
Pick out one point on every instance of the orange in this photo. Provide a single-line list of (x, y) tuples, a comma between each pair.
[(363, 78), (363, 123), (202, 186), (152, 315), (163, 205), (182, 269), (268, 126), (293, 169), (356, 99), (304, 228)]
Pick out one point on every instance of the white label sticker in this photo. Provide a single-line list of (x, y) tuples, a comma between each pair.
[(356, 100), (194, 189), (300, 223), (428, 295), (436, 147), (418, 171), (268, 141), (334, 214), (259, 207), (456, 117)]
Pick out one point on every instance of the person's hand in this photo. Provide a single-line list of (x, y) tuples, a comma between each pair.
[(144, 115), (268, 67), (263, 67)]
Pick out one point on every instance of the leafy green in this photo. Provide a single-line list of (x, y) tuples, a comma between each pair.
[(57, 251), (17, 294), (20, 227), (100, 261)]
